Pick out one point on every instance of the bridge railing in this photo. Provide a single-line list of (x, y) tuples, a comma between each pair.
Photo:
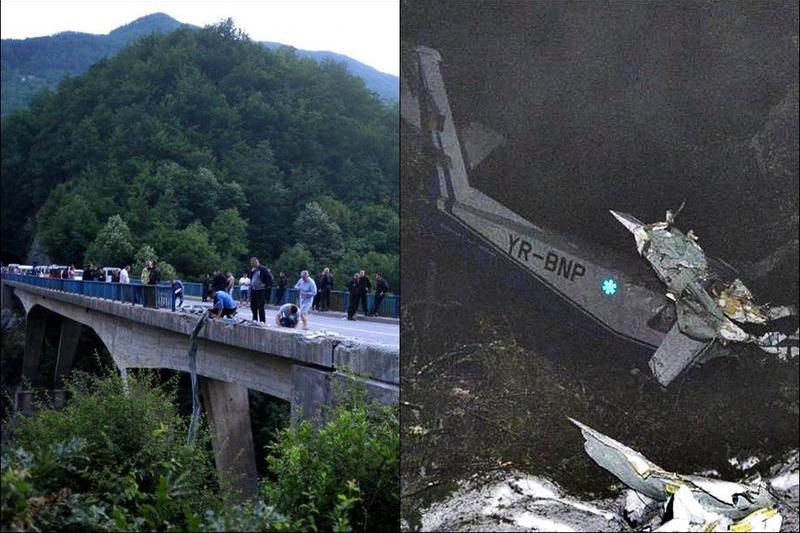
[(390, 306), (154, 296), (161, 296)]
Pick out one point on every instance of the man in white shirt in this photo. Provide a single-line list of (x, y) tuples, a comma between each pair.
[(244, 287), (125, 279)]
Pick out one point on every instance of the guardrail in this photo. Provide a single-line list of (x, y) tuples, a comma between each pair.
[(154, 296), (160, 296)]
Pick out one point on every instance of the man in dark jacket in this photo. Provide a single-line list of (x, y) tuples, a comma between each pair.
[(318, 296), (219, 281), (281, 288), (364, 286), (260, 282), (325, 285), (354, 289), (381, 288), (153, 277), (155, 274)]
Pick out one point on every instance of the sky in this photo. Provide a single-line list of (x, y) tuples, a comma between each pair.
[(366, 30)]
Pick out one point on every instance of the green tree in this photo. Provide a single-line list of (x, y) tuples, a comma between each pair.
[(338, 212), (316, 232), (68, 226), (192, 253), (229, 234), (293, 260), (113, 244)]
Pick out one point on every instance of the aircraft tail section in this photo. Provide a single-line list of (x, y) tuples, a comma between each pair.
[(676, 353)]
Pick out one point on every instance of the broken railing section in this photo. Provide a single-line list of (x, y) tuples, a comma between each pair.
[(682, 502), (708, 308)]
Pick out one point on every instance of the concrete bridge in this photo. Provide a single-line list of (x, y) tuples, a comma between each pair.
[(303, 369)]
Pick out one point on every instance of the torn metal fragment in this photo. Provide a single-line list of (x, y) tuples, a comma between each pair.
[(725, 498)]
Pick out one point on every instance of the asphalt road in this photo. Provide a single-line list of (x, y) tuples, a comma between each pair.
[(380, 332)]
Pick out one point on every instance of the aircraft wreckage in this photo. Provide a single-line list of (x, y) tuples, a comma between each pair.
[(684, 502), (708, 307), (604, 289)]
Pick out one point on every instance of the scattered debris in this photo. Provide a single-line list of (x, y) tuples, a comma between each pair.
[(513, 501), (688, 502), (708, 308), (744, 464)]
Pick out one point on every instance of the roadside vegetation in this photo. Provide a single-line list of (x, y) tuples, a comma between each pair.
[(117, 459)]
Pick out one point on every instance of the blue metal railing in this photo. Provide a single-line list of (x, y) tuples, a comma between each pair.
[(390, 306), (155, 296), (161, 296)]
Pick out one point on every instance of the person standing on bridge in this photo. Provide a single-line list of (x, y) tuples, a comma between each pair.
[(381, 288), (364, 286), (326, 283), (260, 279), (218, 281), (124, 282), (353, 289), (153, 278), (244, 285), (307, 289), (230, 283), (222, 304), (281, 288), (318, 282), (177, 290), (145, 276)]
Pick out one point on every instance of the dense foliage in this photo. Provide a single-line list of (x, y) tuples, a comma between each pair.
[(357, 450), (116, 459), (211, 149)]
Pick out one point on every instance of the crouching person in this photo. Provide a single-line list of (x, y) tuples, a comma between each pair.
[(223, 304), (287, 316)]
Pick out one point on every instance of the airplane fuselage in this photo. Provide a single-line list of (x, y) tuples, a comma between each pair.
[(592, 281)]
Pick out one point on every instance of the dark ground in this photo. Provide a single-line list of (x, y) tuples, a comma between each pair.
[(632, 107)]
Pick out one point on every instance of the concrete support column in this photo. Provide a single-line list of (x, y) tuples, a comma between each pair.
[(6, 294), (228, 411), (313, 390), (67, 343), (35, 325)]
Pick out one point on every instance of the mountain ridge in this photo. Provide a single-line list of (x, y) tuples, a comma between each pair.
[(32, 64)]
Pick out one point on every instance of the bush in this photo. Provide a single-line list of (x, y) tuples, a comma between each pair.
[(115, 458), (342, 475)]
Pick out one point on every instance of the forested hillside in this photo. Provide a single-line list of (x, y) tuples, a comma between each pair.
[(30, 65), (211, 148)]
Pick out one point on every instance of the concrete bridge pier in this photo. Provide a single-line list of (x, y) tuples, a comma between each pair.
[(67, 345), (6, 296), (313, 390), (35, 326), (228, 411)]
